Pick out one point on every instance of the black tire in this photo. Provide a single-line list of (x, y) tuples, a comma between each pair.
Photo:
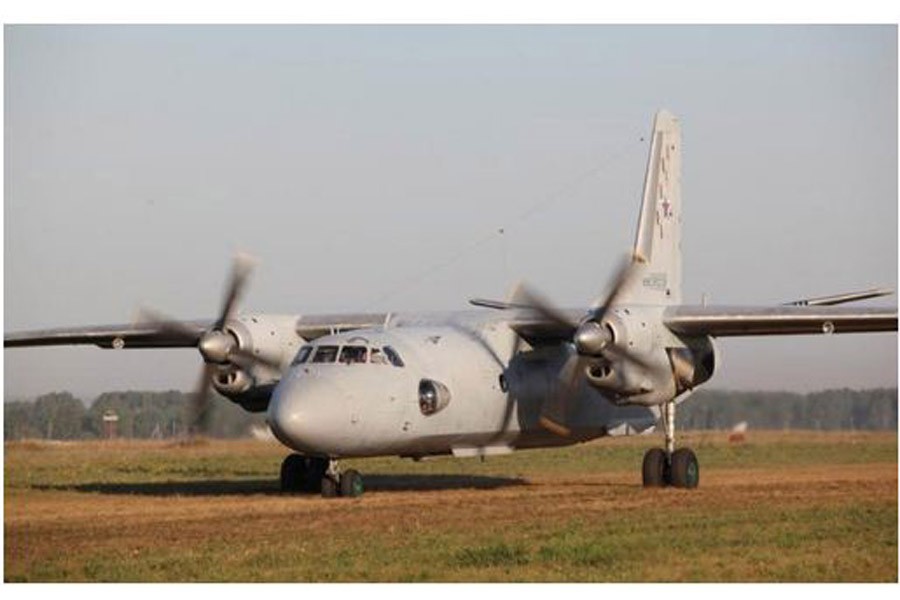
[(351, 484), (292, 471), (654, 469), (329, 487), (685, 469), (313, 472)]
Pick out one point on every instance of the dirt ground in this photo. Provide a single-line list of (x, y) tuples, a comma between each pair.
[(557, 524)]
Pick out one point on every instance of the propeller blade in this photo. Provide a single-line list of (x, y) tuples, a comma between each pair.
[(163, 323), (555, 409), (524, 297), (198, 417), (240, 272), (623, 274)]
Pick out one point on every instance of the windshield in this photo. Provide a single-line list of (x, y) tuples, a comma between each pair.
[(353, 354), (303, 355), (325, 354), (393, 356), (348, 355)]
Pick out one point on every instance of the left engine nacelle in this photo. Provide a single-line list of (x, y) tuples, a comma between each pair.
[(272, 336)]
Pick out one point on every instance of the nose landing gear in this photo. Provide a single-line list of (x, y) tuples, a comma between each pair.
[(313, 474), (678, 468)]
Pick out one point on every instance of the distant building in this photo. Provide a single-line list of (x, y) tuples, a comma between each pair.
[(110, 425)]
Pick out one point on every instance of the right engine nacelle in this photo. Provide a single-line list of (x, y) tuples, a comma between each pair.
[(693, 364)]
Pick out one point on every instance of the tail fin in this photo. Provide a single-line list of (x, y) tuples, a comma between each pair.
[(657, 244)]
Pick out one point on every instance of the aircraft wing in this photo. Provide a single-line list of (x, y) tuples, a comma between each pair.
[(724, 321), (161, 335), (108, 336)]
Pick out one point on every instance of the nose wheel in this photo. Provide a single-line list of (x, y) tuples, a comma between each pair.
[(677, 468), (313, 474)]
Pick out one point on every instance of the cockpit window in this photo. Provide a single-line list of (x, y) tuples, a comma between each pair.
[(377, 357), (325, 354), (393, 357), (353, 354), (303, 355)]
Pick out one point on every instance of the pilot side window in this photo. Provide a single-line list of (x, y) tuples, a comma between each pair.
[(393, 357), (303, 355), (377, 357), (353, 354), (325, 354)]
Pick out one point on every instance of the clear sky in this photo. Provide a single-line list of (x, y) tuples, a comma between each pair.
[(371, 167)]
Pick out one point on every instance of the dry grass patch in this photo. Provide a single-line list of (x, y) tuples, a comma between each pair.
[(781, 507)]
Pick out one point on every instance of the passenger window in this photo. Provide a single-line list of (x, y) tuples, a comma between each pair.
[(376, 357), (393, 357), (353, 354), (303, 355), (325, 354)]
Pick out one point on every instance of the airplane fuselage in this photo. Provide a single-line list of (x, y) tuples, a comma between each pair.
[(432, 389)]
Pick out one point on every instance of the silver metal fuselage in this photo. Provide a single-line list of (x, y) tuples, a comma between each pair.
[(496, 389)]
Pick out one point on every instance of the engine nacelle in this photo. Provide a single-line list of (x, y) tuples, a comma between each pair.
[(671, 365), (272, 336), (692, 364), (620, 380)]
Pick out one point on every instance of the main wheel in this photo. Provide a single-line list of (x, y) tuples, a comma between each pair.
[(351, 484), (654, 469), (292, 470), (685, 469)]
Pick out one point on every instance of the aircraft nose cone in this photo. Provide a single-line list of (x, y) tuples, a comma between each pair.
[(300, 415), (284, 416)]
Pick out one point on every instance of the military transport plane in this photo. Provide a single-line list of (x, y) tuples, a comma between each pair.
[(517, 373)]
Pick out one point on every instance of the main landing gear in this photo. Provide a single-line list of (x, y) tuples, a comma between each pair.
[(313, 474), (678, 468)]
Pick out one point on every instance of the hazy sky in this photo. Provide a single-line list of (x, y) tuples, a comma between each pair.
[(351, 160)]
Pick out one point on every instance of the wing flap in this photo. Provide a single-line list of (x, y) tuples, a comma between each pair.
[(725, 321)]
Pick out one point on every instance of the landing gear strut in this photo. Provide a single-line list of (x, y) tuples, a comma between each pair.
[(678, 468), (313, 474)]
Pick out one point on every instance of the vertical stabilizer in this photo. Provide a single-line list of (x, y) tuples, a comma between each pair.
[(657, 244)]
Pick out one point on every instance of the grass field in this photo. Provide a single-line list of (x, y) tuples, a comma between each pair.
[(779, 507)]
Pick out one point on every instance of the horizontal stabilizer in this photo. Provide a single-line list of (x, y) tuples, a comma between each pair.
[(496, 304)]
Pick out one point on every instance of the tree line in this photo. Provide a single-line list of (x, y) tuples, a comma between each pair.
[(838, 409), (141, 415), (145, 415)]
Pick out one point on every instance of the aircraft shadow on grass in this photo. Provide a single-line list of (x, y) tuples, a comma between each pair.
[(245, 487)]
